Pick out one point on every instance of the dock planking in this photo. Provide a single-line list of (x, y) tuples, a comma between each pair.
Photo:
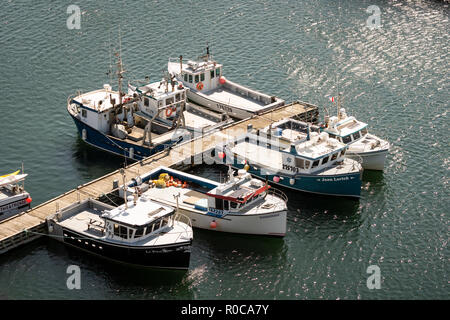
[(30, 224)]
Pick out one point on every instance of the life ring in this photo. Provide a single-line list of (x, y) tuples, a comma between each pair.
[(169, 112), (200, 86)]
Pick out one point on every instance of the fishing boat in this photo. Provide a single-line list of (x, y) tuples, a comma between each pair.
[(193, 118), (362, 145), (110, 120), (13, 197), (139, 232), (288, 153), (239, 205), (209, 88)]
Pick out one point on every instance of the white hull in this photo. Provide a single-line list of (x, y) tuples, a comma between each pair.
[(233, 111), (370, 160), (273, 224)]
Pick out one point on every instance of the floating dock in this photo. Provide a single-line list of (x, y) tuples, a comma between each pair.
[(31, 224)]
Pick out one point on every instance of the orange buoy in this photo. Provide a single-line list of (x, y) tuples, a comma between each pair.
[(28, 200), (213, 224)]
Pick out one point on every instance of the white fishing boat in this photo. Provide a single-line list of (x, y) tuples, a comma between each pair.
[(192, 117), (240, 205), (362, 145), (209, 88), (13, 197), (287, 153), (139, 232)]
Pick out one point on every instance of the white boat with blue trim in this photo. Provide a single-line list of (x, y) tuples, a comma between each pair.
[(240, 205), (288, 154), (209, 88), (362, 145)]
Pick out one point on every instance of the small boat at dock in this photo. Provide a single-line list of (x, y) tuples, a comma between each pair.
[(13, 197), (239, 205), (362, 145), (139, 232), (209, 88), (290, 154)]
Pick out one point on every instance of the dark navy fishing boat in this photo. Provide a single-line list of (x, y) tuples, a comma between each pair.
[(140, 232)]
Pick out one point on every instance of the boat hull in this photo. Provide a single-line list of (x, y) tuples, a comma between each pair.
[(119, 147), (370, 160), (173, 256), (346, 185), (273, 224), (13, 207)]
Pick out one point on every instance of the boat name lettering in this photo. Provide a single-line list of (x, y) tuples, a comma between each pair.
[(334, 179)]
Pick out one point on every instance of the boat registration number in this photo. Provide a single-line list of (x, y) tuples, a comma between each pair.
[(224, 107), (290, 168)]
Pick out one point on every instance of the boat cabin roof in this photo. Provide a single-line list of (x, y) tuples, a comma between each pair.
[(318, 146), (157, 90), (98, 100), (144, 212), (346, 126), (197, 67)]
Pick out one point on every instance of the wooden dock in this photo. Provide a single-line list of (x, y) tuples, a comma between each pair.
[(31, 224)]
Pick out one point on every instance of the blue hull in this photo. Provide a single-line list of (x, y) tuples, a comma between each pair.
[(117, 146), (347, 185)]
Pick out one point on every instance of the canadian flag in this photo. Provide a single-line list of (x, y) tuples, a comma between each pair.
[(332, 99)]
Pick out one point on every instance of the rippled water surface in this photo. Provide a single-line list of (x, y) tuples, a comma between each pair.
[(395, 77)]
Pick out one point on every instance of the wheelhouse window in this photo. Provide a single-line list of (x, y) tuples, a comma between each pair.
[(299, 162), (185, 77), (219, 204), (217, 72), (332, 135), (356, 135), (325, 160), (146, 102), (347, 139), (202, 77), (169, 101), (120, 231), (233, 205), (139, 232), (196, 78), (315, 164), (343, 152), (307, 163), (226, 205), (212, 74), (84, 113), (364, 131), (334, 156), (190, 78)]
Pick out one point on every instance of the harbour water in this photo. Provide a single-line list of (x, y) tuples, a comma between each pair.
[(394, 77)]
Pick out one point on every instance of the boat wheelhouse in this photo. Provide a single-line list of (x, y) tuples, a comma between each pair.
[(209, 88), (240, 205), (165, 106), (306, 161), (139, 232), (13, 197), (362, 145)]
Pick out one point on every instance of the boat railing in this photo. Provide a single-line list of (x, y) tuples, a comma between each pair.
[(179, 217), (278, 193)]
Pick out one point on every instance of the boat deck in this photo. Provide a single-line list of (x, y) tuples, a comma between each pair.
[(229, 97), (269, 158), (30, 225)]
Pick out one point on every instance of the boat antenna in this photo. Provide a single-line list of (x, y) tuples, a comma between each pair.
[(23, 181), (122, 172)]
